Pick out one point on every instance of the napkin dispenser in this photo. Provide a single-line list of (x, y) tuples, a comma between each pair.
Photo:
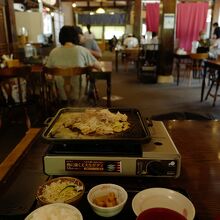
[(9, 61), (13, 63)]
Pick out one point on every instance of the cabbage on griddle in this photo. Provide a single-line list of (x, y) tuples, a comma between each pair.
[(89, 122)]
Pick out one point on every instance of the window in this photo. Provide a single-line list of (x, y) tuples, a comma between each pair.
[(110, 31)]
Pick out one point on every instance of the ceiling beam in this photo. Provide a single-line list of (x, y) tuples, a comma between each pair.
[(128, 3)]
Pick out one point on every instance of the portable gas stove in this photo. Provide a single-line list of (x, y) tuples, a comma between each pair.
[(158, 158)]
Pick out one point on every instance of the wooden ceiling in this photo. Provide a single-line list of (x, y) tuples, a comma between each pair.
[(85, 5)]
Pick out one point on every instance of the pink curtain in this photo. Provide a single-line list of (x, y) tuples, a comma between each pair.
[(191, 19), (152, 17)]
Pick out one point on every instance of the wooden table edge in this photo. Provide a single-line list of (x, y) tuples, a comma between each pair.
[(10, 161)]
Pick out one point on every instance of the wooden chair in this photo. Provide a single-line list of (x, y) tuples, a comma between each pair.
[(15, 91), (181, 67), (147, 63), (195, 67), (50, 91), (197, 64), (214, 77), (131, 55), (150, 52)]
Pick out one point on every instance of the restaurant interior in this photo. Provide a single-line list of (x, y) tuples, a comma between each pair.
[(166, 90)]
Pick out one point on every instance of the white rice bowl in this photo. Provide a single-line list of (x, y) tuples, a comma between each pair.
[(55, 211)]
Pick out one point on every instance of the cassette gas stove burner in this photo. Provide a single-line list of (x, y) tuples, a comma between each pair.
[(158, 158), (95, 149)]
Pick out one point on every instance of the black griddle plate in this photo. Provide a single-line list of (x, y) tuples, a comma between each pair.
[(137, 133)]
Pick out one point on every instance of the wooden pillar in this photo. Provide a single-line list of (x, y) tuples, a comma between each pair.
[(166, 36), (11, 25), (4, 49), (68, 13), (137, 18)]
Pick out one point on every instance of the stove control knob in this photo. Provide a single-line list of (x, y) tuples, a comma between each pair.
[(155, 168)]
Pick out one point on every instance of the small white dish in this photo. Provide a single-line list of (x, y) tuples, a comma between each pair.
[(103, 190), (163, 198)]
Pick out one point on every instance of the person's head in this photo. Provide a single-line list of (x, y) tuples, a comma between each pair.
[(88, 27), (215, 24), (154, 34), (68, 34), (82, 38), (202, 35)]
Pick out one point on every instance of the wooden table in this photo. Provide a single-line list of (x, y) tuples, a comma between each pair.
[(213, 64), (117, 51), (105, 74), (179, 58), (197, 141)]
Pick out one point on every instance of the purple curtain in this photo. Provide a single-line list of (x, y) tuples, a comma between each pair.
[(152, 17), (191, 19), (100, 19)]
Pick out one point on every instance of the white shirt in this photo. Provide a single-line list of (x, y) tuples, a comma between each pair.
[(131, 42), (215, 49), (154, 44), (89, 35)]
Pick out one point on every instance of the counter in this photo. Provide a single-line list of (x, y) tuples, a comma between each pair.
[(197, 142)]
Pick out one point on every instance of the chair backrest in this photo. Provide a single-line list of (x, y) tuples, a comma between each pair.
[(132, 53), (199, 56), (71, 71), (14, 84), (151, 46), (48, 74)]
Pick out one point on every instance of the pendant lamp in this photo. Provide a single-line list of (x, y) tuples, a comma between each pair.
[(100, 11)]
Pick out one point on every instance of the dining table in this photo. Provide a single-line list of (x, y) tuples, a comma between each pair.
[(209, 64), (37, 67), (104, 74), (199, 178), (180, 58)]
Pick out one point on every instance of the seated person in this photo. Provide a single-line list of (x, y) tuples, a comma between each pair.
[(70, 54), (143, 40), (214, 51), (216, 33), (130, 41), (89, 43), (88, 34), (204, 43), (112, 43), (154, 41)]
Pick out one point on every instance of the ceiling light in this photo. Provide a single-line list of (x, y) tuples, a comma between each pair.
[(48, 2), (74, 5), (100, 11), (47, 9), (91, 13)]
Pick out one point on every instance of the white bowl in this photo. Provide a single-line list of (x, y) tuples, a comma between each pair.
[(58, 211), (163, 198), (103, 190)]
